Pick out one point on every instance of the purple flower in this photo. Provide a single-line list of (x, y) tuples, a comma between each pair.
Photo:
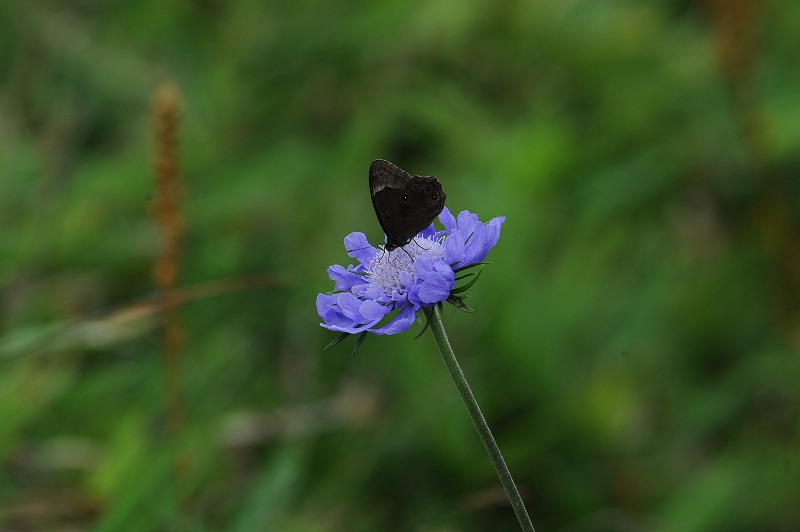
[(384, 291)]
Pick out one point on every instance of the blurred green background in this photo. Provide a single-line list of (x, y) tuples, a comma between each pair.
[(634, 345)]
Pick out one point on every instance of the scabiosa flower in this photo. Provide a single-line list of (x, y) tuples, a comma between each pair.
[(384, 291)]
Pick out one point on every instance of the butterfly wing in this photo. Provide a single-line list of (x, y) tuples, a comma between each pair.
[(425, 202), (386, 185), (404, 205)]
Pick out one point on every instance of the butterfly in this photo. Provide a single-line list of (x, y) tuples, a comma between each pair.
[(404, 204)]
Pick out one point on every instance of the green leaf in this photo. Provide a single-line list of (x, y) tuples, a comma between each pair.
[(458, 302), (427, 313), (467, 286), (465, 268), (469, 238), (359, 341), (336, 341)]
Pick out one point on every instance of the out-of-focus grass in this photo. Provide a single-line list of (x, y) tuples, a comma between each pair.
[(635, 341)]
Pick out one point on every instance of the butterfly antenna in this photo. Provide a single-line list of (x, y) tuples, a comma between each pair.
[(420, 246), (357, 249)]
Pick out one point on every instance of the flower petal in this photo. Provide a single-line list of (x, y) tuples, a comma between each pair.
[(352, 329), (359, 248), (483, 239), (350, 306), (467, 223), (447, 220), (454, 249), (435, 280), (374, 311), (332, 316), (325, 305), (344, 279), (400, 323)]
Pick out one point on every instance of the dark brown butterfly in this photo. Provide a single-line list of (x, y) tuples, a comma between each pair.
[(404, 204)]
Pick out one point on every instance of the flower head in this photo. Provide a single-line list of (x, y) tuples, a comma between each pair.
[(404, 280)]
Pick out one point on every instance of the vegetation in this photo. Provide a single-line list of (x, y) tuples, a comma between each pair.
[(635, 341)]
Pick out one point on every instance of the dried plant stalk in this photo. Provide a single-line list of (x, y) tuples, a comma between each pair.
[(166, 209)]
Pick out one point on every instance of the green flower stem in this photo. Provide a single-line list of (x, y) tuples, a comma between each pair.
[(437, 327)]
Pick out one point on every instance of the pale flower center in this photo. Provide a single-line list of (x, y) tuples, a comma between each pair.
[(385, 269)]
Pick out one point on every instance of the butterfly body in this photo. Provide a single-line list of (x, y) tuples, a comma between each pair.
[(404, 204)]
